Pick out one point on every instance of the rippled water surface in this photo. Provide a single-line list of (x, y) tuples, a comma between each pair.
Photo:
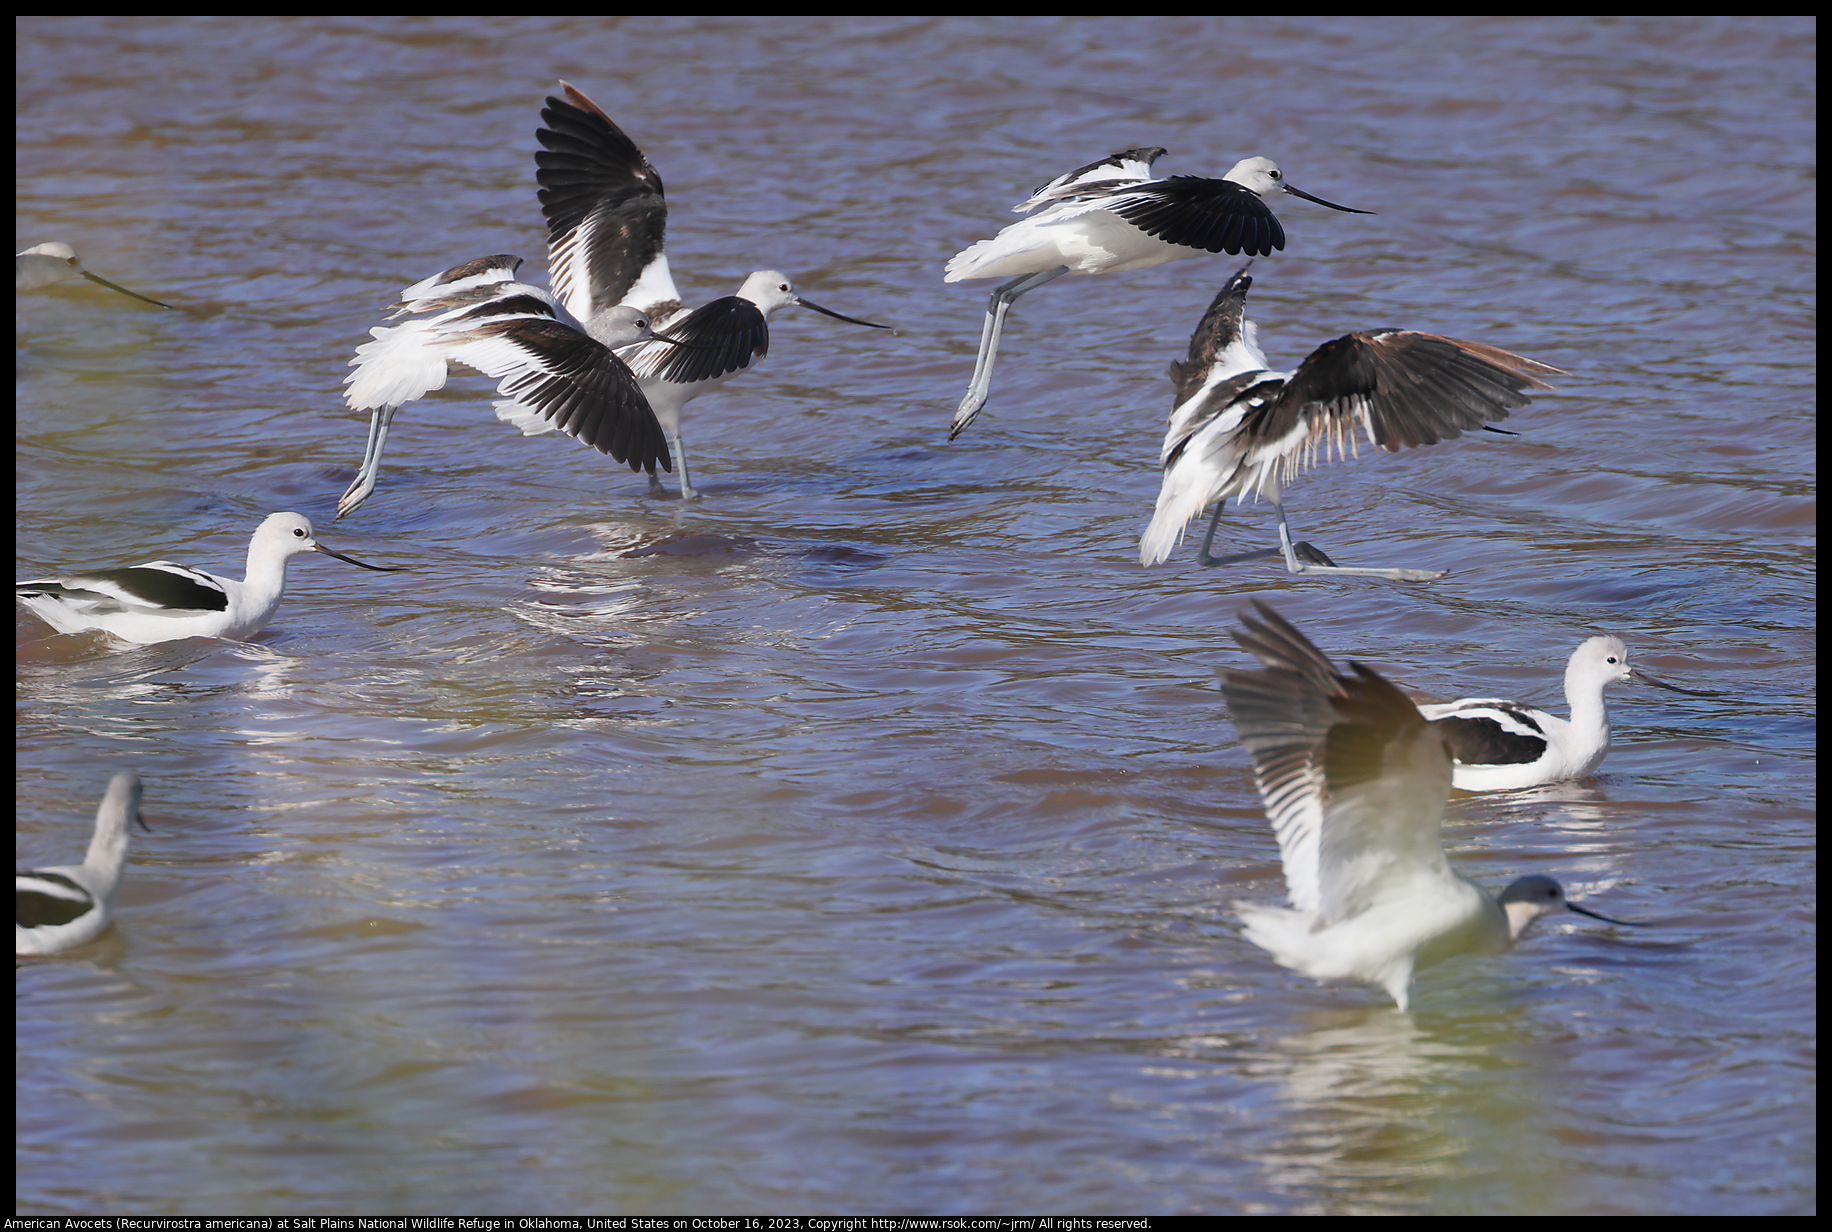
[(862, 837)]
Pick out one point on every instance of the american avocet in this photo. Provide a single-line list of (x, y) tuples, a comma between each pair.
[(60, 908), (43, 264), (1355, 781), (551, 369), (162, 602), (1498, 745), (1111, 216), (1238, 428), (606, 222)]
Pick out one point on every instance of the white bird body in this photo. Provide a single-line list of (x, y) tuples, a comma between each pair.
[(161, 602), (1112, 216), (607, 217), (43, 265), (1418, 922), (1567, 750), (1238, 428), (1501, 745), (1355, 781), (63, 907), (1081, 235)]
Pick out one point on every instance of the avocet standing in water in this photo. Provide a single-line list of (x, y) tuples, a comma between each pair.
[(61, 908), (41, 265), (1355, 781), (1111, 216), (607, 219), (162, 602), (1498, 745), (1237, 427)]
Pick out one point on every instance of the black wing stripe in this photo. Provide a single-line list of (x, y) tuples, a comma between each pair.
[(1418, 389), (728, 334), (37, 909), (596, 186), (1220, 325), (584, 390), (1213, 215), (150, 587), (1477, 741)]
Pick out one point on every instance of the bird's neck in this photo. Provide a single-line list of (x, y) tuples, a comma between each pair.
[(107, 851), (1586, 702), (265, 573)]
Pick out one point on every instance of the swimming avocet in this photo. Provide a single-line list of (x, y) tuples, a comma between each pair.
[(551, 369), (1498, 745), (162, 602), (1238, 428), (1355, 781), (60, 908), (1111, 216), (606, 222), (43, 264)]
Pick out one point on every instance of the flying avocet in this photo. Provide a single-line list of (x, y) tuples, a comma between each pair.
[(1111, 216)]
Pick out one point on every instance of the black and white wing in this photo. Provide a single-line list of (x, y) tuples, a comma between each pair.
[(607, 216)]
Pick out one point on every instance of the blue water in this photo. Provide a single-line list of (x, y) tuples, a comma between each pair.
[(871, 849)]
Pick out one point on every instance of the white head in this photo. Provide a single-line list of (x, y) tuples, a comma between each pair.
[(57, 251), (1257, 175), (44, 264), (771, 289), (621, 326), (282, 536), (1603, 660), (1262, 177)]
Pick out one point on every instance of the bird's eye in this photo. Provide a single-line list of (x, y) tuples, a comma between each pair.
[(298, 532), (1277, 174)]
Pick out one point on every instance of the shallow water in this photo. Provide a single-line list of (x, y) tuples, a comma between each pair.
[(869, 846)]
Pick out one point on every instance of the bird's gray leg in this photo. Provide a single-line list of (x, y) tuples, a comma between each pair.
[(1209, 562), (1319, 563), (996, 307), (1313, 558), (1285, 544), (364, 483), (680, 461)]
